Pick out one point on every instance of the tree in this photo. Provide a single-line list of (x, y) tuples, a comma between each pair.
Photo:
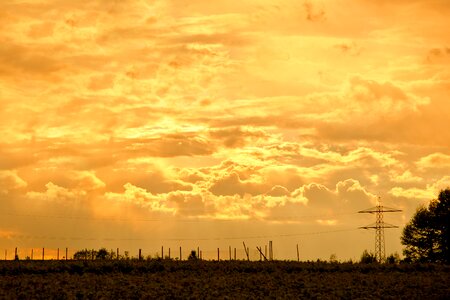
[(102, 254), (85, 254), (193, 255), (427, 236), (368, 258)]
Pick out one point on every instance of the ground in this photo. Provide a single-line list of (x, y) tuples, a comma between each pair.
[(223, 280)]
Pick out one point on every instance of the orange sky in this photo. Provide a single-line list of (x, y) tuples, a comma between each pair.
[(140, 123)]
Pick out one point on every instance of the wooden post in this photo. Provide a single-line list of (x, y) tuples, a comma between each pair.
[(117, 254), (229, 249), (43, 253), (218, 254), (67, 253), (261, 254), (201, 254), (162, 252), (298, 254), (140, 254), (246, 251), (265, 250), (169, 253), (234, 253), (32, 253), (270, 251), (180, 254), (57, 254), (198, 252), (15, 254)]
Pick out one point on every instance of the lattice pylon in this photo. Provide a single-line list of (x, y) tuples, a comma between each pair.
[(379, 226), (380, 247)]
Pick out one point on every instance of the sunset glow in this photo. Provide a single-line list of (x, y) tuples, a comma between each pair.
[(137, 124)]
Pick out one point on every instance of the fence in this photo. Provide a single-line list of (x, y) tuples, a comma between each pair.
[(230, 253)]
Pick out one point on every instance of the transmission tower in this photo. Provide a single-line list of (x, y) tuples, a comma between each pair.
[(379, 226)]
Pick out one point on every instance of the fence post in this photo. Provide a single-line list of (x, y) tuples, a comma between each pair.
[(218, 254), (234, 253), (117, 255), (43, 253), (180, 254), (67, 253), (246, 251), (270, 250), (298, 254), (16, 257), (57, 254), (32, 253), (140, 254), (169, 253), (162, 252)]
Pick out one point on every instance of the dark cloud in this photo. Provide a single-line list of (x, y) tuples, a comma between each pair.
[(314, 13), (237, 137)]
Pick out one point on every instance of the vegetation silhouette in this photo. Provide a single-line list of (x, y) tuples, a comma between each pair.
[(368, 257), (427, 236), (193, 255)]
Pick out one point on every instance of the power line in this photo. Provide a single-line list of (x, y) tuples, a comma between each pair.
[(196, 220), (181, 239)]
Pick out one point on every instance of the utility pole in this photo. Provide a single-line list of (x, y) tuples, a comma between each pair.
[(379, 226)]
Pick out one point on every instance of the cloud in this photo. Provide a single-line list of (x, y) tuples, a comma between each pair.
[(428, 193), (56, 194), (231, 184), (278, 191), (140, 197), (190, 204), (313, 13), (16, 60), (9, 181), (438, 55), (238, 137), (347, 194), (405, 177), (7, 234), (434, 161), (352, 49)]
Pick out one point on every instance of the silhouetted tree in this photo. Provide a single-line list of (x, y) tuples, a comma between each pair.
[(393, 258), (427, 236), (102, 254), (85, 254), (368, 258), (193, 255)]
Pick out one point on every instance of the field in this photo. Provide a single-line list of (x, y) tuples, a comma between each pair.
[(224, 280)]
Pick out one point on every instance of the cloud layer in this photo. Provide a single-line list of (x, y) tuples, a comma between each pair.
[(261, 113)]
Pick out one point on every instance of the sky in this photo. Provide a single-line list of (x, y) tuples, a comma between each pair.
[(149, 123)]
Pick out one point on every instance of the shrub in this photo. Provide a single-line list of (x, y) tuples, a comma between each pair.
[(368, 258)]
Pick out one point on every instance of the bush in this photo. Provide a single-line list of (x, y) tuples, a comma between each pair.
[(368, 258), (193, 255)]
